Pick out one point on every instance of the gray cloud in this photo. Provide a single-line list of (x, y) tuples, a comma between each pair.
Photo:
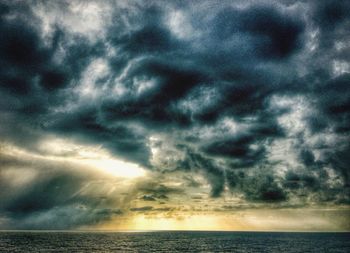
[(240, 88), (42, 194)]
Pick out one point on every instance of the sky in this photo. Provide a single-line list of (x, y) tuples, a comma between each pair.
[(184, 115)]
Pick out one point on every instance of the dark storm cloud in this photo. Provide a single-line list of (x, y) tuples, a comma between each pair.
[(272, 34), (180, 78), (149, 39), (31, 79), (294, 180), (212, 171), (154, 107), (335, 111), (329, 89), (238, 147), (329, 14), (266, 187), (28, 64), (86, 126)]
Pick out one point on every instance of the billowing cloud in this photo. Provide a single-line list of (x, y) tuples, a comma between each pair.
[(202, 102)]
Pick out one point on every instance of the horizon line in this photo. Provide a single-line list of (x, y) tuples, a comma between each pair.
[(169, 230)]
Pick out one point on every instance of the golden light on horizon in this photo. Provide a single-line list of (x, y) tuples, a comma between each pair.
[(206, 222), (196, 222), (247, 220)]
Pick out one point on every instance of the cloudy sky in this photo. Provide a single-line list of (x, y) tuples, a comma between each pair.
[(223, 115)]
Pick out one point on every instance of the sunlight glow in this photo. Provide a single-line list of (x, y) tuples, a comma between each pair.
[(116, 167), (208, 222), (93, 157)]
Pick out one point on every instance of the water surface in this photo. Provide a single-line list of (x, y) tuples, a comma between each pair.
[(174, 242)]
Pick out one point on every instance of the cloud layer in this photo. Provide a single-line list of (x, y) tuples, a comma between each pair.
[(242, 98)]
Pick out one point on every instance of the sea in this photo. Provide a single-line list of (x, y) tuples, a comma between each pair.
[(173, 241)]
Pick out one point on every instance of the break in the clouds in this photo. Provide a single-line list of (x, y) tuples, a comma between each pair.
[(110, 109)]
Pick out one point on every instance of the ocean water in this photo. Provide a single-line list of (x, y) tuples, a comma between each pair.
[(173, 242)]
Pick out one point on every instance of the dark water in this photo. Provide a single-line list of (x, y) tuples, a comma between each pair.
[(173, 242)]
